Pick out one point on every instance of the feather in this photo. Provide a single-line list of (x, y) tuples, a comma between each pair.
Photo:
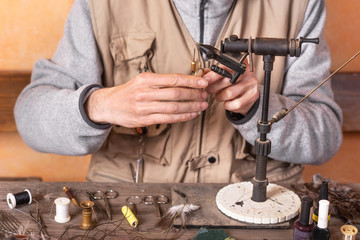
[(174, 212), (344, 200), (49, 196)]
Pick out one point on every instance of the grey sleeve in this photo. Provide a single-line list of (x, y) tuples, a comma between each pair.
[(49, 112), (311, 133)]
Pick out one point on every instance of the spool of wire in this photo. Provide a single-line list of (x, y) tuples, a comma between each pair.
[(17, 199), (62, 210), (349, 232), (129, 215)]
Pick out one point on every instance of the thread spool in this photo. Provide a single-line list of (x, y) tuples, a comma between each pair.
[(62, 210), (129, 215), (349, 232), (17, 199), (87, 222)]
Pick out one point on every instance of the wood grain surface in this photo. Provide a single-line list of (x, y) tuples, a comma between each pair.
[(46, 192)]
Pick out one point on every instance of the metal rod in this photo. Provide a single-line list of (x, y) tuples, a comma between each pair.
[(325, 80), (263, 146)]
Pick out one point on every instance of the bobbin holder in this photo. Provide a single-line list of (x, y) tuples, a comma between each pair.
[(268, 48)]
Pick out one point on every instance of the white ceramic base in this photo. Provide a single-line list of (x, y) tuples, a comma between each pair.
[(235, 201)]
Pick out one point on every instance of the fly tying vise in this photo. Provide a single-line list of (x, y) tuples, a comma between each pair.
[(269, 48)]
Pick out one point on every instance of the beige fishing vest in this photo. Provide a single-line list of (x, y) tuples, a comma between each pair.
[(132, 35)]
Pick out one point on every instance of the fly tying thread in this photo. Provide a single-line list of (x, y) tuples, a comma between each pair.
[(62, 210), (349, 232), (129, 215), (16, 199)]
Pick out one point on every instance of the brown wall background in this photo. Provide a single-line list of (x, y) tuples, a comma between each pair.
[(31, 30), (343, 36)]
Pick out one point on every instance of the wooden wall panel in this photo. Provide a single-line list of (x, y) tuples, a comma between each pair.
[(344, 166), (342, 32), (347, 94), (30, 30), (11, 84), (17, 160)]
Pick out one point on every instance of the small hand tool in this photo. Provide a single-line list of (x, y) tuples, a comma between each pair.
[(97, 206), (138, 174), (67, 191), (132, 201), (161, 199), (196, 68), (109, 194)]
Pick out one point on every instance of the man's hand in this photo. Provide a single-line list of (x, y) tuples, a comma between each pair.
[(238, 97), (149, 99)]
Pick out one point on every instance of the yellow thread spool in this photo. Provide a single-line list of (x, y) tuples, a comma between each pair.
[(349, 232), (130, 217)]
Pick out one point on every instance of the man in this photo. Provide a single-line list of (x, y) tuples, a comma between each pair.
[(119, 86)]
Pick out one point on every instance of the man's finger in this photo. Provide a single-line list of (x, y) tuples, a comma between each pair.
[(168, 118), (171, 107), (173, 80), (233, 91), (172, 94)]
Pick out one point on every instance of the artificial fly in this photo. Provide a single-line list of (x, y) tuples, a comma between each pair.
[(175, 212)]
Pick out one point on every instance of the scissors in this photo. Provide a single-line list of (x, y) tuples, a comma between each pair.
[(109, 194), (160, 199), (132, 201)]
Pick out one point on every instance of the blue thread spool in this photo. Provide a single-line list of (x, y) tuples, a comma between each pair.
[(16, 199)]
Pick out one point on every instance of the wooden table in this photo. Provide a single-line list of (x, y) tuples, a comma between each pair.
[(46, 192)]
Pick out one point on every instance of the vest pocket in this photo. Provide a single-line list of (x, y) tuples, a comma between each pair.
[(123, 149), (132, 54)]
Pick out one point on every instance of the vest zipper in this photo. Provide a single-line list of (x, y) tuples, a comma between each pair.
[(202, 10), (202, 13), (201, 137)]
